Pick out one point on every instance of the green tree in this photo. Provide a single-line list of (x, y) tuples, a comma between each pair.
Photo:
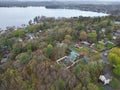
[(49, 50), (92, 86), (92, 36), (24, 57), (83, 35), (68, 37), (116, 70), (61, 84), (17, 48), (114, 57), (18, 33)]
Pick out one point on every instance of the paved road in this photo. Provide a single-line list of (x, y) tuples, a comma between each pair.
[(107, 69)]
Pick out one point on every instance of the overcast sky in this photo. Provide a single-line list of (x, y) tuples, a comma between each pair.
[(61, 0), (69, 0)]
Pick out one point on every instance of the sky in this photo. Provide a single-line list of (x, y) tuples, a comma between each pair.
[(73, 0)]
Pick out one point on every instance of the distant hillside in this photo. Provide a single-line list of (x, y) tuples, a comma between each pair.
[(69, 1)]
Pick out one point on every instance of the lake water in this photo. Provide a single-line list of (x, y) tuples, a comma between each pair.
[(15, 16)]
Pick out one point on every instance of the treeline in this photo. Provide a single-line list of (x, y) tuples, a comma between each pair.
[(110, 9), (27, 4)]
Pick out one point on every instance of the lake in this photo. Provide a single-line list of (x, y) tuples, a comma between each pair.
[(15, 16)]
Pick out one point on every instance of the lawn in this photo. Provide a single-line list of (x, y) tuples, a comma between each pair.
[(84, 50), (115, 84), (99, 47), (100, 87)]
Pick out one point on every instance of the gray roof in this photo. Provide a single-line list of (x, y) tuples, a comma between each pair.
[(107, 76)]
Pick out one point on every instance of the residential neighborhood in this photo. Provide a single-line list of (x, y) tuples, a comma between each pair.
[(77, 53)]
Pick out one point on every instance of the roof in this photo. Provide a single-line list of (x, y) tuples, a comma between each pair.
[(74, 54), (86, 58), (107, 76)]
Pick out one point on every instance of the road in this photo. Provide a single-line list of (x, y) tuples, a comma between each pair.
[(107, 69)]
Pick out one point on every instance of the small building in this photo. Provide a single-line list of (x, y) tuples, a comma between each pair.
[(117, 22), (78, 45), (85, 43), (105, 78), (117, 33), (109, 42), (31, 36), (103, 30), (114, 37), (40, 31)]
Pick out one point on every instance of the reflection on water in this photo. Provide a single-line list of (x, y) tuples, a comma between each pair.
[(15, 16)]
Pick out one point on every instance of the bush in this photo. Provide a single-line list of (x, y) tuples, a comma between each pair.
[(117, 70), (33, 28), (100, 47), (92, 86), (49, 50), (17, 49), (24, 57), (18, 33), (61, 84), (109, 45)]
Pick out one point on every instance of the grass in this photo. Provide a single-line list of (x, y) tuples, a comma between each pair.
[(100, 47), (100, 87), (109, 46), (115, 84), (84, 49)]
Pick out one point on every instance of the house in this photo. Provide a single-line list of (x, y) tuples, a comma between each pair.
[(69, 60), (30, 36), (105, 78), (73, 55), (117, 22), (109, 42), (85, 43), (92, 45), (117, 33), (78, 45)]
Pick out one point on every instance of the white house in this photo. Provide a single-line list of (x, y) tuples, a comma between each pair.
[(105, 78)]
